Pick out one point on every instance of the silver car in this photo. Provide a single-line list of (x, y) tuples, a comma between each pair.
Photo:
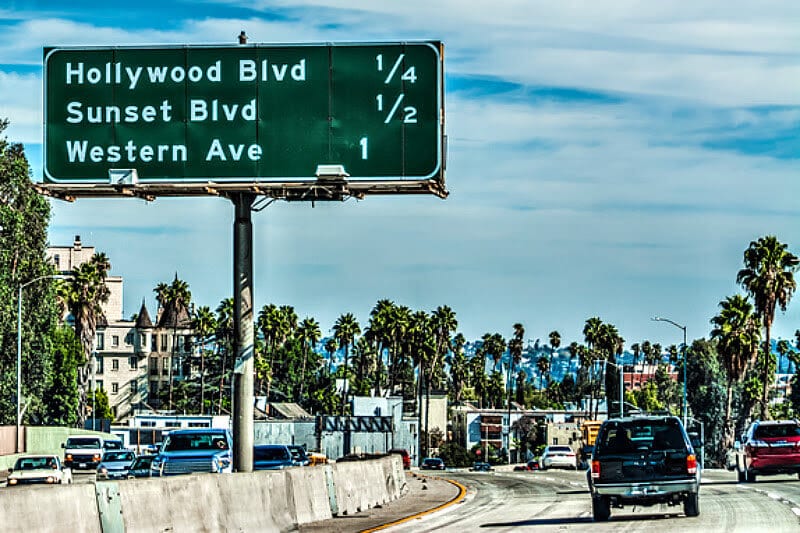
[(115, 464), (558, 457)]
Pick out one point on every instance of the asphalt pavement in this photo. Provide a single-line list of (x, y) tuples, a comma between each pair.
[(422, 493)]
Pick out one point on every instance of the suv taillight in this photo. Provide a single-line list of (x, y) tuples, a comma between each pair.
[(691, 464), (595, 469)]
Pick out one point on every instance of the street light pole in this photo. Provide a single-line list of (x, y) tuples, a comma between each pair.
[(679, 326), (19, 350)]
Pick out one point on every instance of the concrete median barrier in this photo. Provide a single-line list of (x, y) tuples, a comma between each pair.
[(49, 509), (259, 501)]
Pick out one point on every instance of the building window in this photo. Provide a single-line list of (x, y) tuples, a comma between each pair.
[(172, 424), (133, 362), (115, 341), (154, 388), (164, 343), (99, 364), (114, 388), (57, 261), (98, 384), (146, 424), (133, 386), (100, 341), (129, 339), (153, 346), (115, 364), (199, 425), (154, 366)]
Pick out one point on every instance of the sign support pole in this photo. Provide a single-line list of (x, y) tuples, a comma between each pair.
[(243, 332)]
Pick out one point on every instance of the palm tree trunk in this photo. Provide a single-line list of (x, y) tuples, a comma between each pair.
[(303, 373), (427, 414), (202, 380), (767, 356), (346, 381), (729, 430)]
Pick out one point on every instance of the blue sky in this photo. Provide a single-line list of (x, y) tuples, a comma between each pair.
[(606, 158)]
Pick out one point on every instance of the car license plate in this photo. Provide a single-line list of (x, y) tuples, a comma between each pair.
[(82, 465), (641, 490)]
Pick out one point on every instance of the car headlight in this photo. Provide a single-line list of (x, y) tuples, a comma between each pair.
[(12, 481), (68, 457), (50, 479)]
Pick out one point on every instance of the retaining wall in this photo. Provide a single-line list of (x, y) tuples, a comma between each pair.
[(279, 500)]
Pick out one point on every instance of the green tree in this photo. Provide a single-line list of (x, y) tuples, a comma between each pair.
[(768, 276), (736, 330), (204, 325), (309, 334), (62, 397), (98, 400), (345, 331)]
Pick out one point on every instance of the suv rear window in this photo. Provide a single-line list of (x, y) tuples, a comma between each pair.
[(632, 435), (773, 431)]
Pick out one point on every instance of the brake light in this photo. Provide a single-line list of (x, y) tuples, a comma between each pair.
[(691, 464), (595, 469)]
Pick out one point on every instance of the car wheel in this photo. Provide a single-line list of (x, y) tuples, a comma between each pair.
[(601, 508), (742, 478), (691, 505)]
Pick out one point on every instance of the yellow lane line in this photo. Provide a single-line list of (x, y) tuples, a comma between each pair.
[(462, 491)]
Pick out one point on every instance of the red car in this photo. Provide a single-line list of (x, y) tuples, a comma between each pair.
[(403, 453), (768, 447)]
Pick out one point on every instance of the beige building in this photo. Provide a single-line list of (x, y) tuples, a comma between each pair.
[(134, 359)]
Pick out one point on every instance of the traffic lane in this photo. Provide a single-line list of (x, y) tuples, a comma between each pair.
[(547, 501)]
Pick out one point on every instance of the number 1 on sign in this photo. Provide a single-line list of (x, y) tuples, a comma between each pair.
[(363, 143)]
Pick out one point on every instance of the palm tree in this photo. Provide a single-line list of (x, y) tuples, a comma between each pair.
[(555, 343), (515, 351), (345, 331), (83, 295), (458, 367), (443, 323), (225, 335), (308, 333), (768, 276), (176, 300), (736, 330), (204, 325), (379, 320)]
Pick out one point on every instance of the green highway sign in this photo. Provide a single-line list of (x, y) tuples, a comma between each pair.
[(269, 113)]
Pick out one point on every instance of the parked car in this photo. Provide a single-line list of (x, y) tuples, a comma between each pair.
[(557, 456), (402, 452), (768, 447), (141, 466), (271, 457), (432, 463), (299, 455), (643, 461), (481, 467), (39, 469), (115, 464), (187, 451)]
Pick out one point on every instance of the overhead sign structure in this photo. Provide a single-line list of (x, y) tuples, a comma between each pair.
[(270, 114)]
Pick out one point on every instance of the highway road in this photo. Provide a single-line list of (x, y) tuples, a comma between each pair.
[(558, 501)]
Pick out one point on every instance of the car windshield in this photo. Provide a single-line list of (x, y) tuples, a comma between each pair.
[(626, 436), (776, 431), (83, 443), (198, 441), (271, 453), (118, 456), (112, 445), (433, 461), (34, 463)]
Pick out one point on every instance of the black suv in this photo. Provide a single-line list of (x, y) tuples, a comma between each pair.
[(643, 461)]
